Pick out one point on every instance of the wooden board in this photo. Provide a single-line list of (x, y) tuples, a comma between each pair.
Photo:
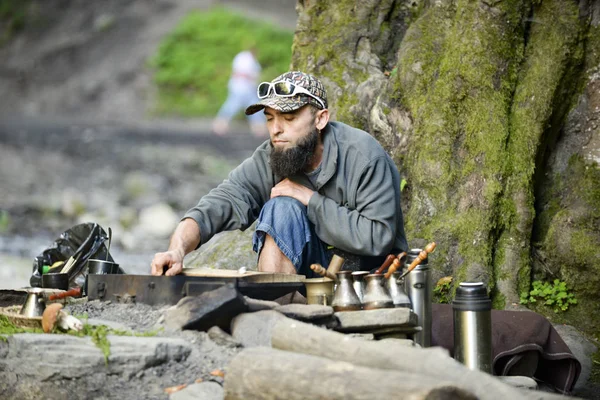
[(248, 276)]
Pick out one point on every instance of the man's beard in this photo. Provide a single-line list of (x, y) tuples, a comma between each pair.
[(288, 162)]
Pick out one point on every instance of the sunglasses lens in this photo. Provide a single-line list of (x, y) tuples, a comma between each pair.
[(263, 90), (284, 88)]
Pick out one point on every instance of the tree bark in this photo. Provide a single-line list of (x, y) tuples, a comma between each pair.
[(466, 96)]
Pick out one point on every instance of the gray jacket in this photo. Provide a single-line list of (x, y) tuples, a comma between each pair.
[(356, 207)]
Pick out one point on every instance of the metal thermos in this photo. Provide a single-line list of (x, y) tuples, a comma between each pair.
[(473, 326), (418, 287)]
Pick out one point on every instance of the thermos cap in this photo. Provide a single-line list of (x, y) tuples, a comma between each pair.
[(471, 296)]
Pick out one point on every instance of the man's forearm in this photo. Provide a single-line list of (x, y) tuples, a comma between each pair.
[(186, 236)]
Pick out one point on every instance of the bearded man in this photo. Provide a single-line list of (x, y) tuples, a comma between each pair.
[(313, 185)]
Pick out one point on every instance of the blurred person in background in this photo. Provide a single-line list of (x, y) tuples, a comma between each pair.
[(241, 92), (314, 184)]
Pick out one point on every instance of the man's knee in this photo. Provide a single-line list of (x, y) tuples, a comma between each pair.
[(285, 210)]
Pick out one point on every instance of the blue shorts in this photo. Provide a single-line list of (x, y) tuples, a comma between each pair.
[(285, 219)]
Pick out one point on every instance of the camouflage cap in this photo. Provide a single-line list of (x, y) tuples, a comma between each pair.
[(287, 104)]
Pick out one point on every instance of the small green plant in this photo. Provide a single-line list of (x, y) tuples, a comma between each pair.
[(442, 290), (552, 294)]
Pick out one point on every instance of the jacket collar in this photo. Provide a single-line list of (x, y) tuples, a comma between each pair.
[(330, 155)]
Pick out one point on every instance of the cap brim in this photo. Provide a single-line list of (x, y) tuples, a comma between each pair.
[(283, 104)]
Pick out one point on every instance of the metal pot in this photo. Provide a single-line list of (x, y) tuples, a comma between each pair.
[(102, 267), (57, 280)]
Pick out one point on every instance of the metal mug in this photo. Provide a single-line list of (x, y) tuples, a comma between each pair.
[(345, 297), (319, 291), (359, 284), (376, 294), (34, 305)]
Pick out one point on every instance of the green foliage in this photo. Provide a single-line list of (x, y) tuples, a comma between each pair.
[(12, 17), (403, 183), (555, 295), (442, 292), (193, 63), (4, 221)]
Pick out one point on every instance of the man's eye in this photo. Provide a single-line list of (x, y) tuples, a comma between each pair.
[(288, 117)]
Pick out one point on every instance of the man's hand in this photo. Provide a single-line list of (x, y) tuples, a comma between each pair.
[(172, 259), (292, 189)]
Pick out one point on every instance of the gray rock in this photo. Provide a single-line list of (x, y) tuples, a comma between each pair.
[(214, 308), (110, 324), (70, 357), (259, 305), (254, 329), (130, 354), (222, 338), (364, 320), (226, 250), (401, 342), (581, 348), (203, 390), (158, 220), (305, 312), (523, 382)]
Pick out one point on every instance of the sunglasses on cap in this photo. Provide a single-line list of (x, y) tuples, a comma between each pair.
[(284, 89)]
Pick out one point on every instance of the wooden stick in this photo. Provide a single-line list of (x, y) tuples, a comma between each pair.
[(396, 264), (318, 268), (335, 265), (420, 258), (388, 261), (264, 373)]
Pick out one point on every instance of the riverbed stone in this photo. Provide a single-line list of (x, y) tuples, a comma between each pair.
[(305, 312), (213, 308), (203, 390), (581, 348), (368, 320), (259, 305), (222, 338), (71, 357), (254, 329)]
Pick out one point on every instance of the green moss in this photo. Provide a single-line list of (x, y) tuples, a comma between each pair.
[(98, 333), (498, 301), (549, 52)]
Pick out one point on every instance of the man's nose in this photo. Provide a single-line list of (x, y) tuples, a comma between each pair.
[(276, 126)]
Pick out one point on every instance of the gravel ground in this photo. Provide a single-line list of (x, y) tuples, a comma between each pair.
[(206, 355)]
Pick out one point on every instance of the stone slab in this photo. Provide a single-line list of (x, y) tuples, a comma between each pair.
[(305, 312), (56, 356), (213, 308), (374, 320), (254, 329), (259, 305)]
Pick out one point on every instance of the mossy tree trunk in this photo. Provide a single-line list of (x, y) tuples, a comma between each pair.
[(469, 97)]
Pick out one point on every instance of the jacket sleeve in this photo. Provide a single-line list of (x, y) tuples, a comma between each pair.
[(236, 202), (370, 228)]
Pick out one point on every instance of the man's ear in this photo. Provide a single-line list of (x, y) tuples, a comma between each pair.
[(322, 118)]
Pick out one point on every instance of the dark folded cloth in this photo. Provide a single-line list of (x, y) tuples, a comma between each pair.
[(523, 343)]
